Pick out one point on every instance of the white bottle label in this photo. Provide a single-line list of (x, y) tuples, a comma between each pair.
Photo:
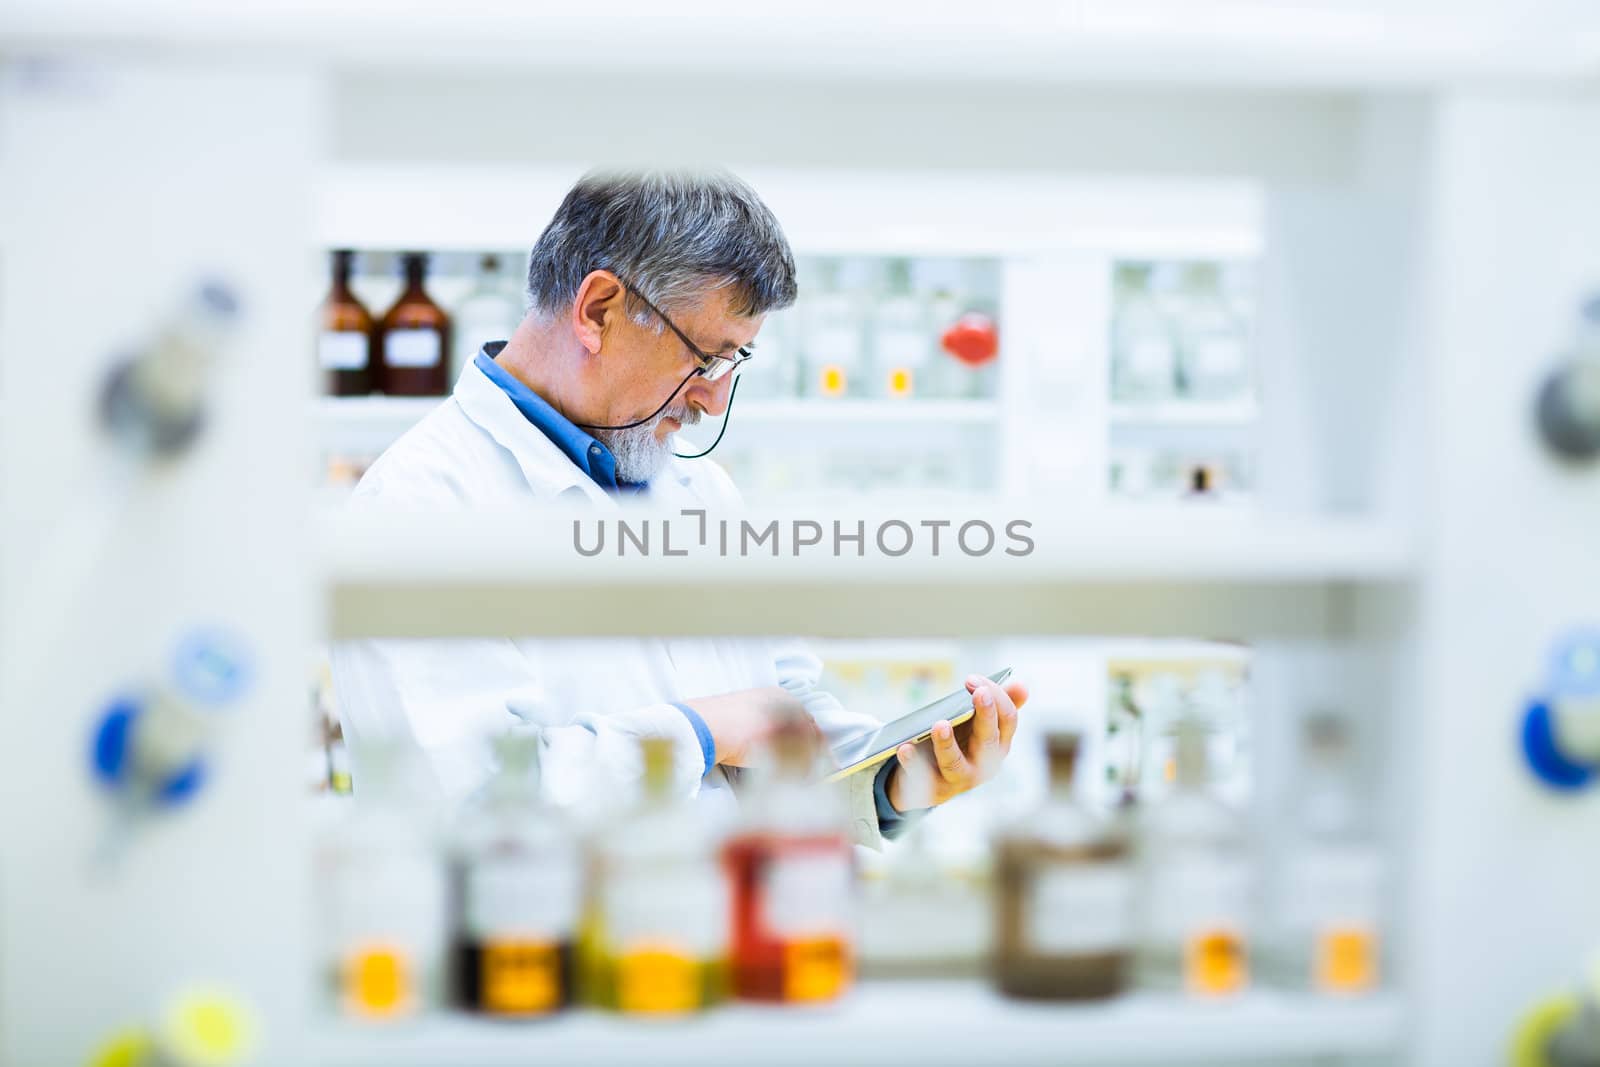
[(685, 907), (342, 350), (411, 348), (1333, 886), (1079, 909), (1195, 893), (1219, 357), (840, 345), (521, 898), (1150, 360), (902, 348), (808, 895)]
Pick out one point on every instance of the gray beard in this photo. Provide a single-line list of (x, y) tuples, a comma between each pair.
[(639, 455)]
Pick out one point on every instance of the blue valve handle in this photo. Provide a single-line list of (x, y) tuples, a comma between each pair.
[(111, 757), (1545, 758)]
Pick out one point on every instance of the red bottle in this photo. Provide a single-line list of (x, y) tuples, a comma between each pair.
[(791, 871)]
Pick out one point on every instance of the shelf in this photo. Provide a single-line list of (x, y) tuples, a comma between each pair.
[(372, 423), (1179, 572), (1186, 414), (923, 1022), (471, 207), (870, 412)]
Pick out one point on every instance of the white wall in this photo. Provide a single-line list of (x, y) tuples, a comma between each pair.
[(1505, 901), (908, 125)]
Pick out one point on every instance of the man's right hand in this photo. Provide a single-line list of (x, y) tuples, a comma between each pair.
[(741, 720)]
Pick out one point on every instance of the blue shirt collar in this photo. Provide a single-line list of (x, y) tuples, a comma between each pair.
[(590, 456)]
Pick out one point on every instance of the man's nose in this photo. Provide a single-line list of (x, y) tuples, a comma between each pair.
[(710, 397)]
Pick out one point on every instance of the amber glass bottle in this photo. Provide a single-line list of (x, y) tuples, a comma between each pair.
[(1064, 895), (344, 337), (414, 338)]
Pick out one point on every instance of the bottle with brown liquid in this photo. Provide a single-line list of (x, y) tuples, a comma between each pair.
[(414, 338), (1064, 894), (518, 890), (344, 338)]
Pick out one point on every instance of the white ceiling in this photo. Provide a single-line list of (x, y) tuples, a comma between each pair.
[(1330, 43)]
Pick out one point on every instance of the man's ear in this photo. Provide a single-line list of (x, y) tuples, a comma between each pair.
[(597, 306)]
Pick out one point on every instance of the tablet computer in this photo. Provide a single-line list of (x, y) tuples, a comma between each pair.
[(872, 749)]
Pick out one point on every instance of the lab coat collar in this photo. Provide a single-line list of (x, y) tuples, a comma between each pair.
[(546, 467)]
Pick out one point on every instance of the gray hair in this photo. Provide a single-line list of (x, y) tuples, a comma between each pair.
[(670, 234)]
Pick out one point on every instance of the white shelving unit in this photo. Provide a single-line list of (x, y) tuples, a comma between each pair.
[(1056, 239), (925, 1022), (1428, 274)]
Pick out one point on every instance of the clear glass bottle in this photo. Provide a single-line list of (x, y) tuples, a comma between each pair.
[(344, 340), (1214, 359), (1330, 888), (946, 302), (901, 341), (1144, 350), (518, 889), (490, 311), (381, 886), (835, 349), (655, 941), (1194, 883), (414, 338), (792, 879), (1064, 894)]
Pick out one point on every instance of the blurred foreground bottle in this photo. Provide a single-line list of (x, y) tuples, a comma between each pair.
[(1331, 883), (344, 343), (381, 881), (414, 338), (793, 882), (518, 891), (1064, 894), (655, 938), (1194, 883)]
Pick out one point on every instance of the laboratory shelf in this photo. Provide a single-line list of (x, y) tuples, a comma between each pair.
[(923, 1022), (869, 412), (1160, 572), (1187, 413), (397, 414)]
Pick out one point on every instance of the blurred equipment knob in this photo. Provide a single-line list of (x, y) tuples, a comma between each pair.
[(1568, 407), (1561, 1030), (1561, 726), (153, 401)]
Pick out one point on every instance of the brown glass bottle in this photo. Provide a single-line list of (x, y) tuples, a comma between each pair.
[(414, 339), (1063, 896), (344, 336)]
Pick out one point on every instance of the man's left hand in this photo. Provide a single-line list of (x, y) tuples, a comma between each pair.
[(959, 758)]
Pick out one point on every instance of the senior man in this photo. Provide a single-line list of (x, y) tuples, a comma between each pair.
[(646, 291)]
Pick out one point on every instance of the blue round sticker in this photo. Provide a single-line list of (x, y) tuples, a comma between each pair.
[(211, 666)]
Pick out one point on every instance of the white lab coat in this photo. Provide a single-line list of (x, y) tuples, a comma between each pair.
[(594, 698)]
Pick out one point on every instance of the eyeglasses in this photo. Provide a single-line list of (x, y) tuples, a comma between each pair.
[(712, 368)]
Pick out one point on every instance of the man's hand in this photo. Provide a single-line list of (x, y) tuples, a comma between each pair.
[(741, 720), (961, 758)]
